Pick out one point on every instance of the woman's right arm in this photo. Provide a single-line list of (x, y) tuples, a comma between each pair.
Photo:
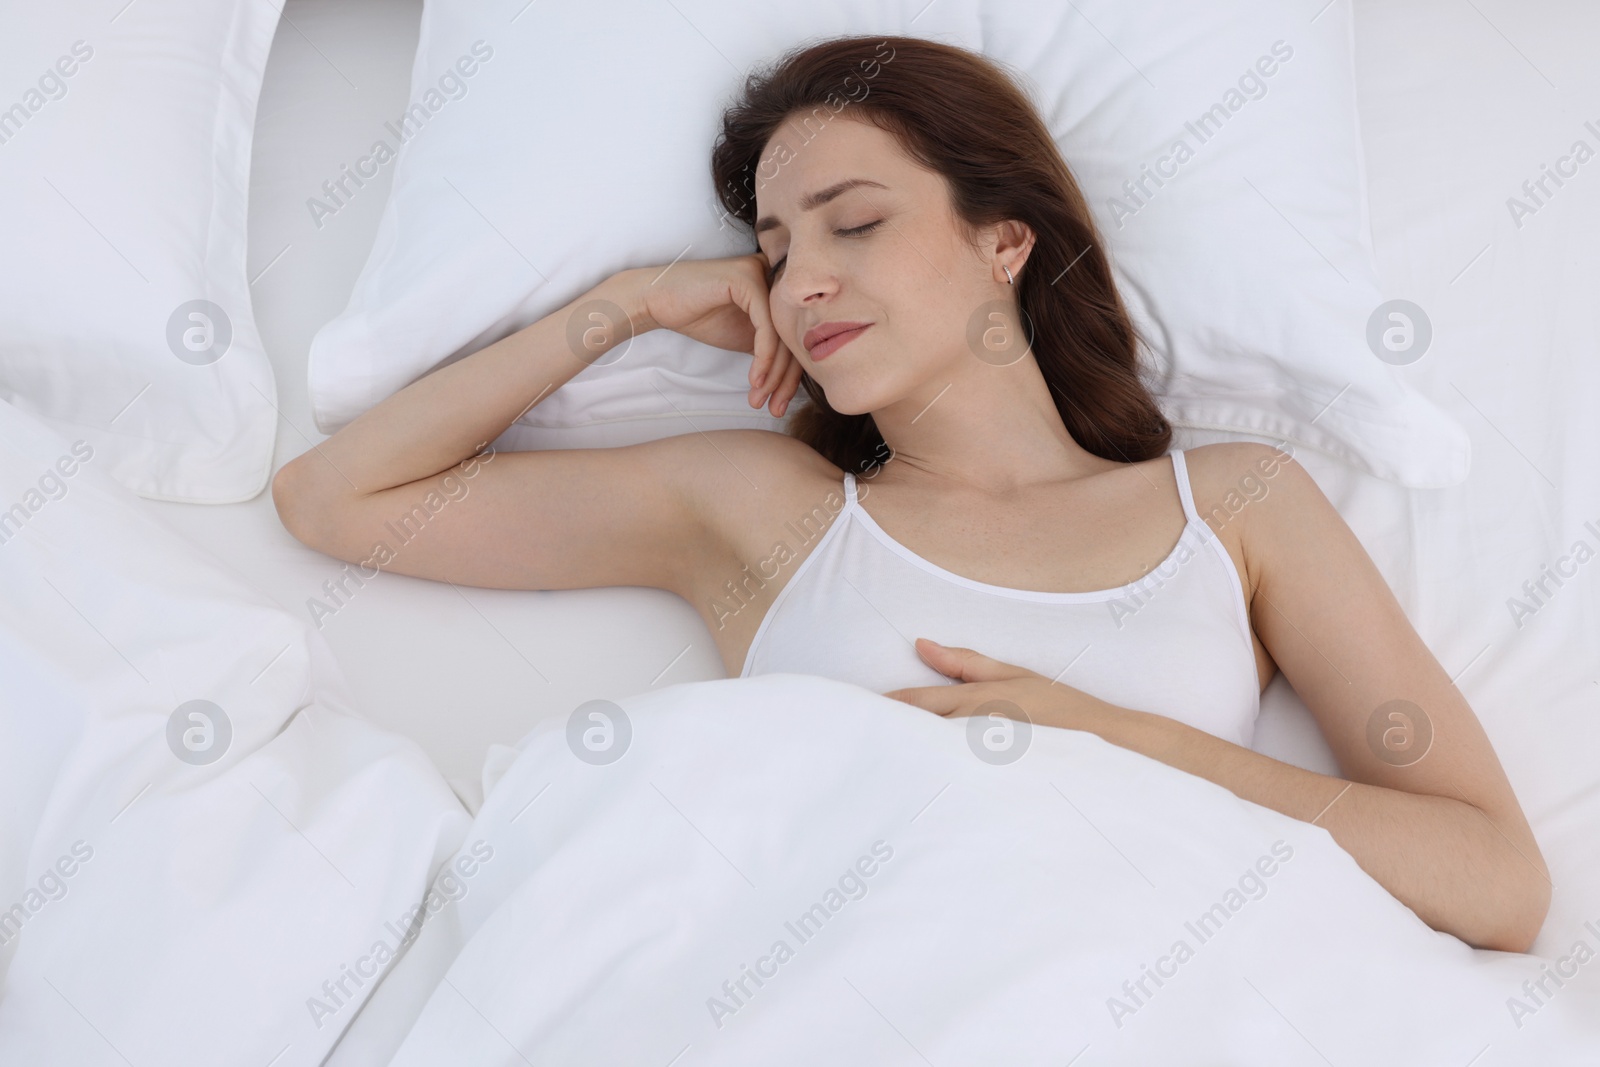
[(410, 485)]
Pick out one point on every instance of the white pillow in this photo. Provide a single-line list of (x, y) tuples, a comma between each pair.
[(125, 317), (1249, 271)]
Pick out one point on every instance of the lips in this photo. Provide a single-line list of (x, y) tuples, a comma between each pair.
[(821, 340)]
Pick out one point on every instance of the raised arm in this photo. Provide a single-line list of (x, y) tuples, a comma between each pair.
[(411, 486)]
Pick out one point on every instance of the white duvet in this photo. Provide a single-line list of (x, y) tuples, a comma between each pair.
[(789, 869), (196, 826), (783, 869)]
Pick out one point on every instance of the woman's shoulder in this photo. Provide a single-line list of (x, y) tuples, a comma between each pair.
[(749, 482), (1226, 478), (1253, 496), (771, 452)]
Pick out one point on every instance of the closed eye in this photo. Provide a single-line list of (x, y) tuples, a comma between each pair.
[(858, 231)]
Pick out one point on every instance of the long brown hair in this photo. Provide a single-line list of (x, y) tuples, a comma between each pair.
[(960, 114)]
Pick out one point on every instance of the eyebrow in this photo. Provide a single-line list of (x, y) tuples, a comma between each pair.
[(817, 199)]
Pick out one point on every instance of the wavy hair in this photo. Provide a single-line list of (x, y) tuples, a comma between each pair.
[(959, 113)]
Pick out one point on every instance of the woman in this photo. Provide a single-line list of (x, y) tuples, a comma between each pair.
[(928, 270)]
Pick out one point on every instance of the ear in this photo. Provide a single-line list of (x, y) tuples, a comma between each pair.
[(1011, 244)]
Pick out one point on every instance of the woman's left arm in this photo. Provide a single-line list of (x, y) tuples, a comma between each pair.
[(1427, 810)]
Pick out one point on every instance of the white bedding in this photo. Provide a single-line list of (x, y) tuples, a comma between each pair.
[(125, 317), (173, 887), (901, 900), (1460, 104)]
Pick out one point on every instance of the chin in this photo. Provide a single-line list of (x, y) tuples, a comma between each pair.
[(863, 388), (847, 401), (841, 396)]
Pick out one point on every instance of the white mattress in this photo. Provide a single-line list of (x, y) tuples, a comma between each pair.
[(1460, 104)]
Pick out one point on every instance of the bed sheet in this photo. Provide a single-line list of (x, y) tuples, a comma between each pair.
[(1460, 104)]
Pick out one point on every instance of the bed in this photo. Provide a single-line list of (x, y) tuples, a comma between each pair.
[(453, 703)]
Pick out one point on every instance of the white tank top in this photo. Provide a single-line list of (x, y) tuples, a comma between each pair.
[(1176, 642)]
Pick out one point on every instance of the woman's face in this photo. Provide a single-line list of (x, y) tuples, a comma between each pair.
[(886, 251)]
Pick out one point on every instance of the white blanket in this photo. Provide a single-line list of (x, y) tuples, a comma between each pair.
[(197, 828), (789, 869)]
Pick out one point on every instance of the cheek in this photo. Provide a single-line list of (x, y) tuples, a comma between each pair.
[(788, 330), (930, 328)]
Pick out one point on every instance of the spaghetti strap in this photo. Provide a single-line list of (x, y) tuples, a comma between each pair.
[(849, 490), (1180, 470)]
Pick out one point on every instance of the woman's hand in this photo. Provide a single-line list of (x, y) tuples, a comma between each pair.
[(1044, 702), (722, 303)]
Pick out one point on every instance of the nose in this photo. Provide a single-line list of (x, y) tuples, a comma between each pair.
[(805, 278)]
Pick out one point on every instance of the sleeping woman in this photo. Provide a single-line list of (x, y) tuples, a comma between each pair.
[(927, 269)]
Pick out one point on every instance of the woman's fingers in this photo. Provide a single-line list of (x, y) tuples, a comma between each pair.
[(768, 347), (790, 385), (781, 384), (939, 699), (774, 370)]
